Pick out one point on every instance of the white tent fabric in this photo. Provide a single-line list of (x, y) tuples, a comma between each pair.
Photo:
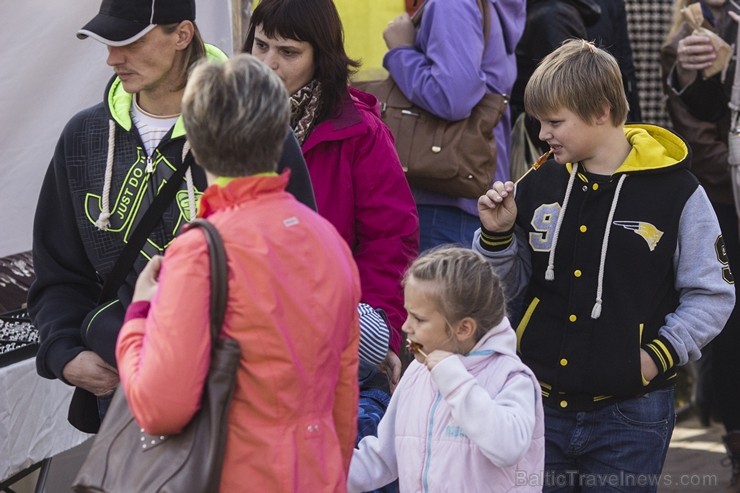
[(46, 76)]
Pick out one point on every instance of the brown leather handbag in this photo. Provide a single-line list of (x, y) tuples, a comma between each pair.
[(124, 459), (456, 158)]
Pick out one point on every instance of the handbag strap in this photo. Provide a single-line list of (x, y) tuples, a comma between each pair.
[(153, 214), (416, 18), (219, 274)]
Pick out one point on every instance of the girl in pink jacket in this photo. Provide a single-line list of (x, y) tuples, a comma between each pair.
[(467, 414)]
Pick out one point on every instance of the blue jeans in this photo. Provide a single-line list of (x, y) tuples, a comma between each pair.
[(621, 447), (441, 224)]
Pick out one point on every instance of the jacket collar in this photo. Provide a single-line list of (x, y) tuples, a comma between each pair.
[(239, 191), (500, 339), (348, 123)]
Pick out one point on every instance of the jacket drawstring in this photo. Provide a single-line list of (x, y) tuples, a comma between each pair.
[(189, 181), (103, 222), (550, 272), (596, 312)]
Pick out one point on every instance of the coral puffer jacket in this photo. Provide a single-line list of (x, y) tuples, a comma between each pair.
[(293, 294)]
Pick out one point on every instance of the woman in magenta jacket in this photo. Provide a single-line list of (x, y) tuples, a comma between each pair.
[(357, 177)]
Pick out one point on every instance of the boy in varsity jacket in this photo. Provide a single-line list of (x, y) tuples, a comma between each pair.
[(617, 256)]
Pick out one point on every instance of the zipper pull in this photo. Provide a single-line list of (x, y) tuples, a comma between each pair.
[(149, 165)]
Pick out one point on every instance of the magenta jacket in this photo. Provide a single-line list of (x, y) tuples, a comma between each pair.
[(361, 189)]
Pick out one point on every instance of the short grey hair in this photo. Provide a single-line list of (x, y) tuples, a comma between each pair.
[(236, 115)]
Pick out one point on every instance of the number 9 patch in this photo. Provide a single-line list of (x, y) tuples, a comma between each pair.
[(721, 251)]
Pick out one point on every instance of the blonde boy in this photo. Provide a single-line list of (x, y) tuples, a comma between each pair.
[(615, 254)]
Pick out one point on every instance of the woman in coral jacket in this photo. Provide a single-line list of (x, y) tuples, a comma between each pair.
[(292, 307), (357, 177)]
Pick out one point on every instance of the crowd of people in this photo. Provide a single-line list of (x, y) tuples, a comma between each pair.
[(541, 325)]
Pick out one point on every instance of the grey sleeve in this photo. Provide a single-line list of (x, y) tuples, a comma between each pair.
[(513, 263), (703, 280)]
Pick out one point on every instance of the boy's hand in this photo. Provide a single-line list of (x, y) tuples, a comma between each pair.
[(497, 209), (647, 366), (147, 282)]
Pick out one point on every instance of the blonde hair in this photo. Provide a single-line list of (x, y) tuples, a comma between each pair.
[(464, 285), (581, 78)]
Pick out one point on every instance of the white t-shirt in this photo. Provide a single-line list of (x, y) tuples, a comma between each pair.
[(151, 127)]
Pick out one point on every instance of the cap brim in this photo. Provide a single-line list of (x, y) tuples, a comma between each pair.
[(114, 31)]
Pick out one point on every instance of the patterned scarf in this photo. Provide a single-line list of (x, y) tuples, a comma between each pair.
[(304, 105)]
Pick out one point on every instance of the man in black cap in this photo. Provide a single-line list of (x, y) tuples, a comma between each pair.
[(120, 23), (99, 195)]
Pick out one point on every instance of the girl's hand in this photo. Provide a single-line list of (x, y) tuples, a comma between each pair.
[(147, 283), (497, 209), (435, 357), (400, 32)]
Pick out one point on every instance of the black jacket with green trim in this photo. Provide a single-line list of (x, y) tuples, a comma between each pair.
[(72, 256)]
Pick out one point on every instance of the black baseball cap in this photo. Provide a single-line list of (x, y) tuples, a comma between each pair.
[(121, 22)]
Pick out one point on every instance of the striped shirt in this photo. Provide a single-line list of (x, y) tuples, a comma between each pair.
[(152, 128)]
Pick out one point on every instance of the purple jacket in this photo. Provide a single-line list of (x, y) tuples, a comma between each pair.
[(361, 189), (449, 69)]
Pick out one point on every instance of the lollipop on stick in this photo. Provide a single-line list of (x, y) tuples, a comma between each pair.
[(415, 347), (540, 161)]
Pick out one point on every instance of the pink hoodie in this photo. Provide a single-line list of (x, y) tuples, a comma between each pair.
[(474, 424)]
